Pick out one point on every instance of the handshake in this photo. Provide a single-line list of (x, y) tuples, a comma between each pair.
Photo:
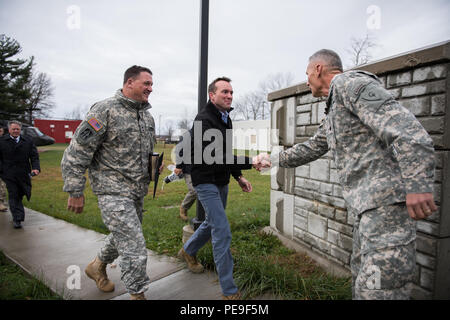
[(261, 161)]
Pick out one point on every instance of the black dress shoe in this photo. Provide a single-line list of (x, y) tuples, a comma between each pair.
[(17, 225)]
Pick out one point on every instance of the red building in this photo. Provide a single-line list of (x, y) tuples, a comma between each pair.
[(60, 130)]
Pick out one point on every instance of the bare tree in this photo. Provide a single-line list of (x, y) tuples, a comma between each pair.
[(254, 105), (276, 81), (186, 121), (360, 49), (250, 106), (77, 113), (40, 102), (273, 83), (169, 128)]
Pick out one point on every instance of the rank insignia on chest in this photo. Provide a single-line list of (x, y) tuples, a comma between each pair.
[(95, 124)]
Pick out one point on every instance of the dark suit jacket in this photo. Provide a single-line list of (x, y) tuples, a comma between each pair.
[(16, 162)]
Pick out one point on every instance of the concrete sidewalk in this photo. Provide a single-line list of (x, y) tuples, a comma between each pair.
[(56, 251)]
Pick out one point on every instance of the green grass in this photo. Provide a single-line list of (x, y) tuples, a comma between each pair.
[(262, 263), (15, 284)]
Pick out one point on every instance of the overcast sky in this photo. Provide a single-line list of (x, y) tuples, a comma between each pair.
[(85, 46)]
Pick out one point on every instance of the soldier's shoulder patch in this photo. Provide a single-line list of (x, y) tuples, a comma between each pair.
[(88, 130), (358, 87), (95, 124), (85, 134), (375, 92)]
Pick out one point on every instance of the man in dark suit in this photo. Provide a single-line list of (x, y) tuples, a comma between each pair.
[(19, 160)]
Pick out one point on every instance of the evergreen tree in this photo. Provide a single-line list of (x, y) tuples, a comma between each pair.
[(15, 76)]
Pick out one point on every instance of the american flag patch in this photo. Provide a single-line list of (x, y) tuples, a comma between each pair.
[(95, 124)]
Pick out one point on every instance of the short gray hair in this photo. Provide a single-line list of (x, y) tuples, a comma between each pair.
[(331, 59), (14, 122)]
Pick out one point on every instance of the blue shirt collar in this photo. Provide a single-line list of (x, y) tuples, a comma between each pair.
[(224, 115), (15, 139)]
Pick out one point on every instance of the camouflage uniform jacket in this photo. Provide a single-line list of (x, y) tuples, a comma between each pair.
[(381, 151), (114, 143)]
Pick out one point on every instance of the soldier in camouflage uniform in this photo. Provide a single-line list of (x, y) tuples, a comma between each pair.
[(114, 142), (385, 162)]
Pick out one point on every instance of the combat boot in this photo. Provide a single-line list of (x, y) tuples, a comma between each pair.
[(138, 296), (191, 261), (183, 214), (96, 270), (236, 296), (3, 207)]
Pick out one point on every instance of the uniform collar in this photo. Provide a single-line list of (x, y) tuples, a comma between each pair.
[(350, 73), (330, 96), (133, 104)]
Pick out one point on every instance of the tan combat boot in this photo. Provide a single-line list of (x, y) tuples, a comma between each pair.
[(3, 207), (191, 261), (236, 296), (183, 214), (138, 296), (96, 270)]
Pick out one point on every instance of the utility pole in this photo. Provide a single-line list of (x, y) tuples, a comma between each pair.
[(203, 72), (202, 86)]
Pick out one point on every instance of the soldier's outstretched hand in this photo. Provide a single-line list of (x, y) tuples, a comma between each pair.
[(261, 161), (75, 204)]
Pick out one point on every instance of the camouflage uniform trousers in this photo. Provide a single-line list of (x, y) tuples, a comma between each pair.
[(384, 254), (2, 192), (191, 196), (123, 217)]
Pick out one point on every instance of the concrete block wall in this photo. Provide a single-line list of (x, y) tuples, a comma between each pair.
[(306, 202)]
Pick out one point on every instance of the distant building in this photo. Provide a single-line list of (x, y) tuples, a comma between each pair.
[(60, 130), (251, 135)]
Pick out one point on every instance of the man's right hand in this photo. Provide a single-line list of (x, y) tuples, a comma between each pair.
[(178, 171), (75, 204)]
